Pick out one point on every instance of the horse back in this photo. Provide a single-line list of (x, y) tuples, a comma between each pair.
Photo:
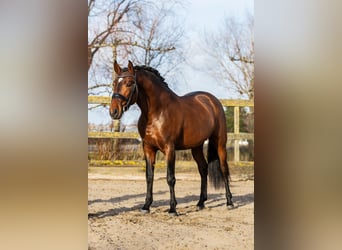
[(203, 103)]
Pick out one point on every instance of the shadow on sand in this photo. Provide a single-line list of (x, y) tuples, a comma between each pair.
[(239, 201)]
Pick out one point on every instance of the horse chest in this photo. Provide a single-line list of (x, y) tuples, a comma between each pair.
[(153, 139), (156, 132)]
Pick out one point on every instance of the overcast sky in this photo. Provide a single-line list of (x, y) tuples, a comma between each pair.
[(202, 15)]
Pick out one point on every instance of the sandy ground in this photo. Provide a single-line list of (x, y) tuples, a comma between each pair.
[(115, 222)]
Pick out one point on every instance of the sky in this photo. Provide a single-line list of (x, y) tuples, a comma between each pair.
[(208, 16), (202, 15)]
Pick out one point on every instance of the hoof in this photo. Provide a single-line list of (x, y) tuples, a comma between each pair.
[(198, 208), (145, 211), (173, 213), (230, 206)]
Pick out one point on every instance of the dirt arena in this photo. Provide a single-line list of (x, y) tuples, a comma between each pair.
[(116, 194)]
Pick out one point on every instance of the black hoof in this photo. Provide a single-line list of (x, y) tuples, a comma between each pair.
[(200, 207), (173, 214)]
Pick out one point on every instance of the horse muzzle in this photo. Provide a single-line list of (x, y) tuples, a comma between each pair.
[(115, 114)]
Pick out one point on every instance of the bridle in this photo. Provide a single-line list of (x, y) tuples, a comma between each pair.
[(124, 98)]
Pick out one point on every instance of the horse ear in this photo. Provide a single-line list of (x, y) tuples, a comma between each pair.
[(117, 68), (130, 67)]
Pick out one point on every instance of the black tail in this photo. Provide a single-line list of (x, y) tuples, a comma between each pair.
[(214, 168)]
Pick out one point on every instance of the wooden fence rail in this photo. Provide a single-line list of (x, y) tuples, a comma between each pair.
[(236, 136)]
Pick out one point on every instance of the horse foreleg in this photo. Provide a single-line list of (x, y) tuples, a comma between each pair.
[(171, 180), (150, 155)]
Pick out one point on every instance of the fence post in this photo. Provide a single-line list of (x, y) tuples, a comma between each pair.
[(236, 131), (116, 145)]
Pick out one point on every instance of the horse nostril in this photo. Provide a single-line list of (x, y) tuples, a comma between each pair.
[(113, 112)]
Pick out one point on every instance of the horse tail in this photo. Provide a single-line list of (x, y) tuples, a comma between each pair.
[(216, 178)]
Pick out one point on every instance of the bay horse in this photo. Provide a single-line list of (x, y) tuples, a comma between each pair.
[(169, 122)]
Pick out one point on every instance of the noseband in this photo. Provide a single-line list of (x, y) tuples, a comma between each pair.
[(124, 98)]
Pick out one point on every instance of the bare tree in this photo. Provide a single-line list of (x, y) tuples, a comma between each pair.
[(232, 52), (160, 35), (232, 48), (114, 13), (138, 30)]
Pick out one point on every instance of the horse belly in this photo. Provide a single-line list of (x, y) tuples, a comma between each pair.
[(194, 134)]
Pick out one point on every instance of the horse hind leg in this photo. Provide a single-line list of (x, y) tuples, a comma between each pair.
[(222, 154), (202, 165)]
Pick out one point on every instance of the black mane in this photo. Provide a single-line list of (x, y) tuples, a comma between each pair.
[(152, 70)]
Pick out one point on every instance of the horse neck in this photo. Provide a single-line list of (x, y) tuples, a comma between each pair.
[(153, 96)]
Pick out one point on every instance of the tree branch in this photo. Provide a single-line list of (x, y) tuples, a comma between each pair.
[(99, 86), (135, 44)]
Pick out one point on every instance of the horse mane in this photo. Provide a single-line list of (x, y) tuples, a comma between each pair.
[(152, 70)]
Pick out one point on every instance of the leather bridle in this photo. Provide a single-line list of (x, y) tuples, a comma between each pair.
[(124, 98)]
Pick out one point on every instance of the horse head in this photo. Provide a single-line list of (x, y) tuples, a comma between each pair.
[(125, 90)]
